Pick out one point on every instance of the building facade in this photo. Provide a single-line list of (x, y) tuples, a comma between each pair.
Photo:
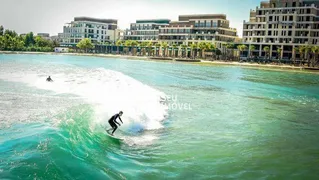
[(190, 29), (99, 31), (145, 30), (283, 24)]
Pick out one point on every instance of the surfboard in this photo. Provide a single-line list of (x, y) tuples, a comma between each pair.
[(114, 137)]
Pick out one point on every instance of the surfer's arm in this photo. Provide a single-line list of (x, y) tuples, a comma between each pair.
[(120, 119), (117, 123)]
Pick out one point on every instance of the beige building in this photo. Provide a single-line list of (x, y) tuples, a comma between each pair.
[(190, 29), (284, 24)]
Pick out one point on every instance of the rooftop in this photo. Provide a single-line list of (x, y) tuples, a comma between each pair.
[(158, 21), (201, 16), (107, 21)]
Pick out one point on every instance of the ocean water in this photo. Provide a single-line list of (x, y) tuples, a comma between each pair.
[(181, 121)]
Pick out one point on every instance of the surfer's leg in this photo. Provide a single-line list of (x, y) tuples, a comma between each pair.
[(114, 129), (112, 125)]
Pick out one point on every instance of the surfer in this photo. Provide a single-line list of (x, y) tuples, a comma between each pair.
[(113, 122), (49, 79)]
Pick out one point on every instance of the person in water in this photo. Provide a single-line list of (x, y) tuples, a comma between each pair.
[(49, 79), (113, 122)]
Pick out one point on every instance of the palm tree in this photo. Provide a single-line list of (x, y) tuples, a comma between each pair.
[(107, 44), (295, 50), (279, 51), (315, 51), (174, 46), (133, 44), (302, 53), (229, 46), (252, 48), (157, 50), (267, 49), (183, 48), (210, 47), (170, 51), (118, 44), (143, 45), (127, 44), (164, 45), (149, 46), (97, 46), (193, 46), (241, 48), (202, 46), (307, 54)]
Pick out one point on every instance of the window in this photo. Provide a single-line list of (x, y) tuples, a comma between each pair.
[(208, 24), (202, 24), (291, 18), (259, 12), (197, 24)]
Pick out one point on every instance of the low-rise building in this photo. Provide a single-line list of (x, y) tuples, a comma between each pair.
[(145, 30), (55, 38), (99, 31), (190, 29), (44, 35)]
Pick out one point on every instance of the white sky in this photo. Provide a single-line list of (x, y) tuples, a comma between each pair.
[(49, 16)]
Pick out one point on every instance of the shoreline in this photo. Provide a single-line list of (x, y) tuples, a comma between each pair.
[(201, 62)]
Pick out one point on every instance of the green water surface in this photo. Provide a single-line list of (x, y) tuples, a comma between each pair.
[(240, 124)]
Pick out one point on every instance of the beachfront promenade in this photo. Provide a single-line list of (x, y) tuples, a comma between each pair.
[(270, 66)]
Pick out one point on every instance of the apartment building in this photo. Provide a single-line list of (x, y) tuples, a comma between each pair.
[(190, 29), (99, 31), (145, 30), (283, 24)]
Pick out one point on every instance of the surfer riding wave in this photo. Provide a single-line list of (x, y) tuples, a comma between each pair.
[(113, 122)]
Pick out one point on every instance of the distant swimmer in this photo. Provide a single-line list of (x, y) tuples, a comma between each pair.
[(113, 122), (49, 79)]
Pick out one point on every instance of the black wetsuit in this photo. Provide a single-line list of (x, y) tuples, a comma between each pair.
[(112, 122), (49, 79)]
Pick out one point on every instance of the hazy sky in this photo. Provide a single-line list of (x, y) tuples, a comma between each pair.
[(50, 16)]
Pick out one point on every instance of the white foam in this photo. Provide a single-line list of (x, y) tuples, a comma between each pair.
[(109, 91)]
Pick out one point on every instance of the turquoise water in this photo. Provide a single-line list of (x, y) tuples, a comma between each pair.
[(232, 122)]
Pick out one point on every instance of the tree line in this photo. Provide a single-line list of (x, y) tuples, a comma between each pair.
[(149, 48), (303, 54), (306, 54), (11, 41)]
